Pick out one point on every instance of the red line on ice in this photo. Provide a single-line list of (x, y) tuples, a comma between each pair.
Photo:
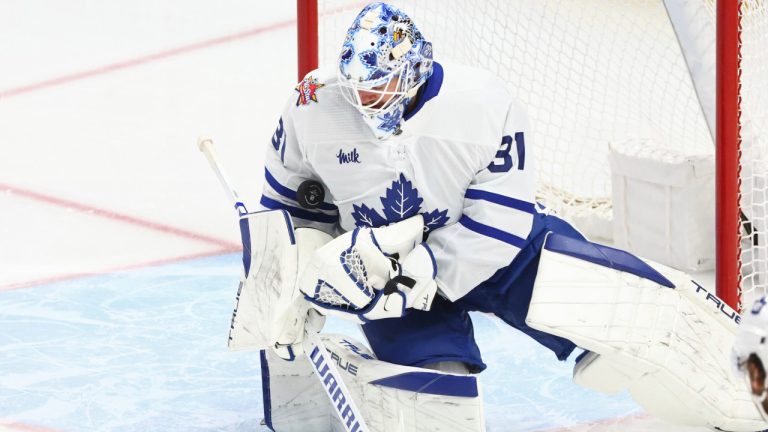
[(21, 427), (61, 278), (108, 214), (138, 61), (225, 246)]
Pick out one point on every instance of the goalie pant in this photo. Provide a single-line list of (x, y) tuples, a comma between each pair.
[(445, 332)]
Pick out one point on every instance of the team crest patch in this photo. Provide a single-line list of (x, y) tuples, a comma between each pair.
[(307, 88), (400, 201)]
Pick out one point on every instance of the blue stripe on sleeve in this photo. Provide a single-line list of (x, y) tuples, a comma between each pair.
[(290, 193), (298, 212), (501, 200), (282, 190), (492, 232)]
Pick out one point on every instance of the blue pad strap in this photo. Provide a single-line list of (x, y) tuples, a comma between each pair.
[(605, 256)]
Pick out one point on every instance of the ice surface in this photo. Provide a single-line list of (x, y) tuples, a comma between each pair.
[(101, 104), (146, 350)]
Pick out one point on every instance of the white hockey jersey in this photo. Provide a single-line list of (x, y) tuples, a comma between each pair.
[(463, 161)]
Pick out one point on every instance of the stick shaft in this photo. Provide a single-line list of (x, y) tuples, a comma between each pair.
[(206, 146)]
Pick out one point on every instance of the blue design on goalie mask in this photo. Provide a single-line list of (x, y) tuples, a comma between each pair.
[(383, 62)]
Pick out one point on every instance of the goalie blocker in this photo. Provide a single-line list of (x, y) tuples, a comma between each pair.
[(269, 311), (649, 329)]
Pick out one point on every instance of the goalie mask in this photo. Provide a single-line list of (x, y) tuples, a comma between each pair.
[(750, 353), (384, 61)]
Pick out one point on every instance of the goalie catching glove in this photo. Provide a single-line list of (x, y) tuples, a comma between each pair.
[(372, 273)]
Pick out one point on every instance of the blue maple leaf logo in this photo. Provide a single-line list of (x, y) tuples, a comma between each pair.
[(368, 58), (366, 216), (400, 201), (390, 121), (435, 219), (346, 55), (386, 13)]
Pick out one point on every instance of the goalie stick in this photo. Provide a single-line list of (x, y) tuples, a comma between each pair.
[(322, 364)]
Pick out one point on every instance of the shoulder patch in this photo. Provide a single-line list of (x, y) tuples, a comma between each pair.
[(306, 89)]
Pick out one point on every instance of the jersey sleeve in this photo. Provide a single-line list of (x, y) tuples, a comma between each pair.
[(497, 214), (285, 169)]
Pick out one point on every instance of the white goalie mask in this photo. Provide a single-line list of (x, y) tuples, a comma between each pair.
[(750, 353), (383, 62)]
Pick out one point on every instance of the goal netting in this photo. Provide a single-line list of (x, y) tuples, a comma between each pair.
[(753, 160), (593, 73)]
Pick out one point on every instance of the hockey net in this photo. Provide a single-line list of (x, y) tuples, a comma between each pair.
[(595, 72), (753, 160)]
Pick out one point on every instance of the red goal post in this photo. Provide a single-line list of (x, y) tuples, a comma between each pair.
[(618, 70), (728, 145)]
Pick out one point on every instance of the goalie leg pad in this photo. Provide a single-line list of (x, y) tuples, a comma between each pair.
[(664, 334), (597, 372), (391, 397)]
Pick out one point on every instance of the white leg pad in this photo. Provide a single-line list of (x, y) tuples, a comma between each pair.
[(669, 346), (391, 397), (599, 373)]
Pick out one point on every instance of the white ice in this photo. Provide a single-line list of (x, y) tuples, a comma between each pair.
[(100, 107)]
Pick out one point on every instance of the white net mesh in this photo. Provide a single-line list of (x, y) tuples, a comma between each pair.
[(355, 269), (589, 72), (592, 73), (328, 295), (754, 157)]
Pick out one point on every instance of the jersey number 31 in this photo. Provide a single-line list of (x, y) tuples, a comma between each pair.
[(503, 160)]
